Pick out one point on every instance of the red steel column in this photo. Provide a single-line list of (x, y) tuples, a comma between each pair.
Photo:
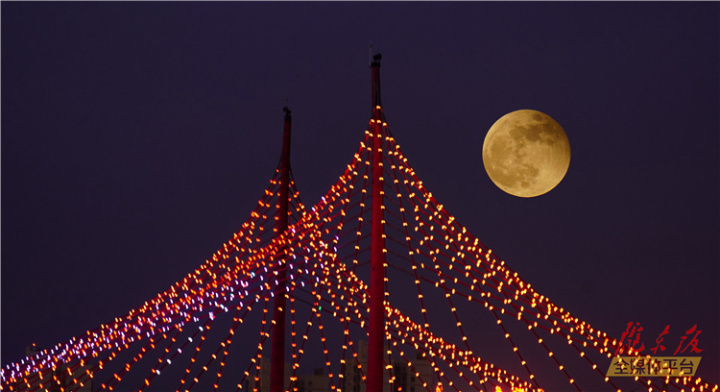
[(376, 327), (277, 353)]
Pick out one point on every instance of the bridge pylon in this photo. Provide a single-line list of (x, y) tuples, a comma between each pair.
[(376, 327), (277, 353)]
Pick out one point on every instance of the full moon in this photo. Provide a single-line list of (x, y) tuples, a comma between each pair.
[(526, 153)]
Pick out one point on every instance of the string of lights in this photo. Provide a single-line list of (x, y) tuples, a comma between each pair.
[(327, 255)]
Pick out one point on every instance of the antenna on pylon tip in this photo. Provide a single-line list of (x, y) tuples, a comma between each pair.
[(287, 112), (375, 90), (374, 59), (286, 109)]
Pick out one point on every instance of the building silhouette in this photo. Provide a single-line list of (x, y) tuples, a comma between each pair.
[(413, 377), (416, 377), (64, 377)]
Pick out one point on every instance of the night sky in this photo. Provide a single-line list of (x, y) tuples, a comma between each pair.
[(137, 137)]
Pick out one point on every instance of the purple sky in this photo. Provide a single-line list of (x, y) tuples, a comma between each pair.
[(137, 137)]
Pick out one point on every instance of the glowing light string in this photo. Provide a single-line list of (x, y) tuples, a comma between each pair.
[(327, 245)]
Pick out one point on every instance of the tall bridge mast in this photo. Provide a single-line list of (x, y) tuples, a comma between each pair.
[(376, 327), (277, 353)]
